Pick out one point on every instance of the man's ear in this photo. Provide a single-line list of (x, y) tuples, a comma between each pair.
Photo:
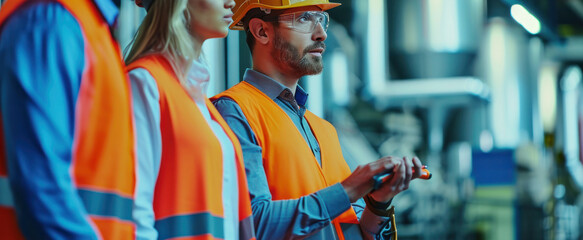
[(260, 30)]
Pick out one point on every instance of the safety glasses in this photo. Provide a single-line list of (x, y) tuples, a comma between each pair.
[(304, 22)]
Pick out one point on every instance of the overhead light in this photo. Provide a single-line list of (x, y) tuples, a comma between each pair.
[(525, 18)]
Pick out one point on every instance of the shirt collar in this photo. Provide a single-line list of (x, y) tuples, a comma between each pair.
[(108, 10), (198, 71), (264, 83), (272, 88), (301, 96)]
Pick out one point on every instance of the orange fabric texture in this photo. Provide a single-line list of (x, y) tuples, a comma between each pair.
[(9, 229), (103, 151), (191, 170), (292, 172), (3, 167)]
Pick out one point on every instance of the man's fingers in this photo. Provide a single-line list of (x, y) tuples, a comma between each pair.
[(408, 167), (417, 166), (384, 164), (408, 172), (395, 184), (387, 162), (398, 175)]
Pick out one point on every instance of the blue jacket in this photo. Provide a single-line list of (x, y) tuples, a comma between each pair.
[(42, 59)]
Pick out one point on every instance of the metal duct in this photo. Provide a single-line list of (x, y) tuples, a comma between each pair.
[(434, 38)]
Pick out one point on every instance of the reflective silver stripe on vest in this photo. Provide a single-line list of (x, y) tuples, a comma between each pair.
[(5, 193), (190, 225), (246, 230), (108, 205), (197, 224)]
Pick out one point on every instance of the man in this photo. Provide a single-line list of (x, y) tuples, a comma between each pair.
[(67, 149), (292, 158)]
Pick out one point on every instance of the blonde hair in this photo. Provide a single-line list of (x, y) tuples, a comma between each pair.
[(165, 31)]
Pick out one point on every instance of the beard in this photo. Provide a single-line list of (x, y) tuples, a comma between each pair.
[(289, 56)]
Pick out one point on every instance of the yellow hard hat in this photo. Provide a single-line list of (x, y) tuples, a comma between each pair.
[(243, 6)]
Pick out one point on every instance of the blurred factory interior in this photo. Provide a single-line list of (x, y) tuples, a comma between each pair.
[(488, 93)]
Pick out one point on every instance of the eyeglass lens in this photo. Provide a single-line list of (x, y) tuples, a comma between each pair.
[(307, 21)]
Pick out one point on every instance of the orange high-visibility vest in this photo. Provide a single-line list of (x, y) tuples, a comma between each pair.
[(103, 149), (291, 168), (188, 192)]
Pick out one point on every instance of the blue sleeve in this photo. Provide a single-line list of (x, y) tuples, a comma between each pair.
[(41, 65), (282, 219), (146, 111)]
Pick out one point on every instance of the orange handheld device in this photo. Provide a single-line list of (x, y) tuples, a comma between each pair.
[(381, 178)]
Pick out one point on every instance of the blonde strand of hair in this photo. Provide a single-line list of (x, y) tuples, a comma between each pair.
[(165, 31)]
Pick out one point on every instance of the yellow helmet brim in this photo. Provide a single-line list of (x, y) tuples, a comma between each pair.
[(241, 11)]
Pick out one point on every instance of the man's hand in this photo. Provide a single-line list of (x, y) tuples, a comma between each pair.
[(399, 180), (360, 182)]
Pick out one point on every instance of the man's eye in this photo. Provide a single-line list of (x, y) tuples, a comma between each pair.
[(303, 19), (320, 19)]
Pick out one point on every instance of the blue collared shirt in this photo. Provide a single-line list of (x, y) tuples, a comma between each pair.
[(306, 216), (42, 59)]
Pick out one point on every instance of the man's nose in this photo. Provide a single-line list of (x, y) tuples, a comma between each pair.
[(229, 4), (319, 33)]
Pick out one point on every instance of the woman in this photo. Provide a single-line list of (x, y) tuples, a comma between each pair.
[(191, 181)]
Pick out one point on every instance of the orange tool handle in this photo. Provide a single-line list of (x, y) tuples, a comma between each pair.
[(381, 178)]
